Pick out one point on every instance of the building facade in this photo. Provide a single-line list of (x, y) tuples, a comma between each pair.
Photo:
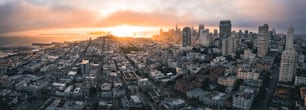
[(262, 40), (225, 28), (229, 45), (287, 66), (186, 36), (85, 66), (289, 38), (204, 38)]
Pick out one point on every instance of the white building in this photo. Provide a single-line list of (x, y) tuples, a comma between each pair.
[(287, 66), (204, 38), (244, 98), (300, 78), (242, 74)]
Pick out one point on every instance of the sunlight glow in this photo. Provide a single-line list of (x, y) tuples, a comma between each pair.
[(118, 31), (130, 31)]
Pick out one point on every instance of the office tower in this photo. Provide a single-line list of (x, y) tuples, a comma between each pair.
[(224, 47), (262, 40), (246, 33), (232, 43), (287, 66), (84, 66), (161, 32), (193, 32), (229, 45), (204, 37), (215, 33), (194, 35), (225, 28), (289, 37), (210, 38), (201, 26), (273, 32), (186, 36), (240, 34)]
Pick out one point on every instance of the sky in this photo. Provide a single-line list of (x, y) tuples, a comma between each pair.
[(30, 15)]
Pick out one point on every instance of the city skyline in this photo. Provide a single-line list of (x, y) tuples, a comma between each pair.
[(152, 55), (39, 16)]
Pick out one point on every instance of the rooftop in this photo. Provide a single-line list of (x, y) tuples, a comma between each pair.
[(85, 62)]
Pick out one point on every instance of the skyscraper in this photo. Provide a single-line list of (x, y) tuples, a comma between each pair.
[(229, 44), (161, 32), (224, 47), (201, 26), (225, 28), (186, 36), (287, 66), (262, 40), (204, 37), (215, 33), (289, 38)]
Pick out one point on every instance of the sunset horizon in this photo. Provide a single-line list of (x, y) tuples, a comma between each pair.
[(152, 55)]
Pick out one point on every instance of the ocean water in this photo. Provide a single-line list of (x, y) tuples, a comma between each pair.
[(15, 41)]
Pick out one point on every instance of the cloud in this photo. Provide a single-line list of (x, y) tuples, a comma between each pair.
[(143, 19), (16, 15)]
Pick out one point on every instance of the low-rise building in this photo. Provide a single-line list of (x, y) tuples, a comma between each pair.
[(300, 78), (244, 98), (227, 81), (247, 74), (171, 104)]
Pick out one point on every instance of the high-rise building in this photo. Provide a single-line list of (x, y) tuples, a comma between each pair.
[(201, 26), (194, 35), (204, 37), (225, 28), (262, 40), (215, 33), (224, 47), (289, 37), (161, 32), (229, 44), (287, 66), (186, 36), (246, 33), (85, 66)]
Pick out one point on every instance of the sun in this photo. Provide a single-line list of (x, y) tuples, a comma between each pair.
[(128, 30)]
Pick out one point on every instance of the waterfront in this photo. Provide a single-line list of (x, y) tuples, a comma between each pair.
[(13, 41)]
